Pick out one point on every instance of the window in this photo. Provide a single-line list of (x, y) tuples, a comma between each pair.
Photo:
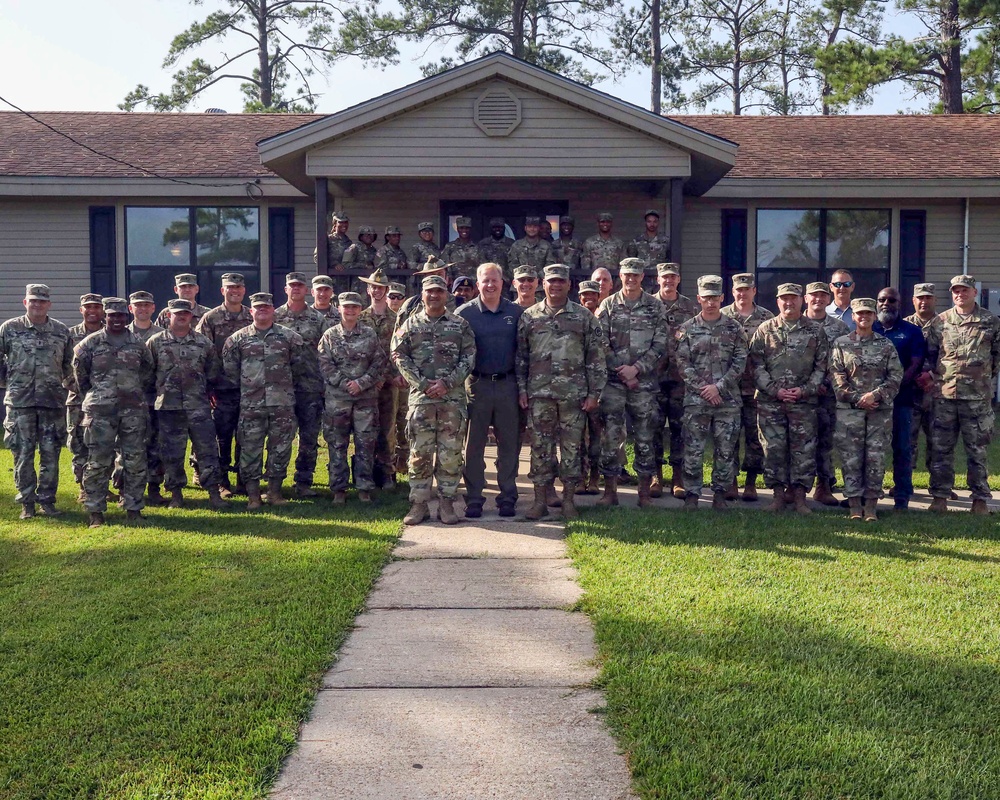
[(207, 241), (801, 246)]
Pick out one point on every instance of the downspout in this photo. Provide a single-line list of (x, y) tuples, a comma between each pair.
[(965, 241)]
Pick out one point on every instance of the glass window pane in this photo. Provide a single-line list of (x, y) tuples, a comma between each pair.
[(228, 236), (158, 236), (158, 281), (769, 280), (857, 239), (787, 239), (868, 283), (210, 285)]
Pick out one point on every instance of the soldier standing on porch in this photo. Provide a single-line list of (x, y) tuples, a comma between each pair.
[(602, 249), (337, 242), (461, 255)]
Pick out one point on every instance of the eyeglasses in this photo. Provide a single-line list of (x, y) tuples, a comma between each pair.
[(842, 284)]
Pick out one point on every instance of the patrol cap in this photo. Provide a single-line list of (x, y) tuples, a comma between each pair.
[(668, 268), (90, 298), (567, 220), (632, 266), (367, 230), (497, 222), (234, 279), (745, 280), (392, 229), (818, 286), (142, 297), (295, 277), (396, 290), (588, 286), (179, 304), (261, 299), (462, 280), (789, 288), (863, 304), (710, 286), (963, 280), (532, 220), (651, 212), (525, 271), (432, 264), (463, 222), (434, 282), (37, 291), (340, 216), (115, 305), (377, 278), (605, 216), (923, 290), (349, 299), (556, 272), (185, 279), (425, 226), (322, 280)]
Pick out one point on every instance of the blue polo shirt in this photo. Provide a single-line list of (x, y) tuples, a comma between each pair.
[(495, 332), (908, 340)]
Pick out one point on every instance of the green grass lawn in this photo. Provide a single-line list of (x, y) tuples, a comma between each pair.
[(176, 660)]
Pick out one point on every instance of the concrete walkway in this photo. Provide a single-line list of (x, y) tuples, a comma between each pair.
[(467, 677)]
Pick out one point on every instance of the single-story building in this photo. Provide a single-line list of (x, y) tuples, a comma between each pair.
[(114, 202)]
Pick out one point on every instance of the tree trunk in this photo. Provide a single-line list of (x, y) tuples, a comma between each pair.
[(263, 57), (951, 39), (656, 59), (517, 44)]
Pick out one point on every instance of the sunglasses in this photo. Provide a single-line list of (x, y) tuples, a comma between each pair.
[(842, 284)]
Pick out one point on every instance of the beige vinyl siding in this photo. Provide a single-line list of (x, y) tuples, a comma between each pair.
[(984, 243), (443, 139), (945, 224), (305, 237), (45, 242), (701, 228)]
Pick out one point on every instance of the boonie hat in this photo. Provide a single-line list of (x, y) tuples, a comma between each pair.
[(185, 279), (632, 266), (115, 305), (789, 288), (262, 299), (349, 299), (37, 291), (745, 280), (141, 297), (556, 271), (923, 290), (434, 282), (863, 304), (710, 286)]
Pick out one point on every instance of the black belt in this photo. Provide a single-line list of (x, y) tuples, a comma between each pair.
[(491, 376)]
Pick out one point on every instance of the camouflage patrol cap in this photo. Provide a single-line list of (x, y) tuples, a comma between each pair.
[(391, 230), (532, 220), (710, 286), (566, 220), (425, 226), (605, 216), (340, 216), (234, 279), (142, 297), (431, 265), (114, 305), (525, 271), (789, 288), (668, 268), (37, 291), (556, 272), (349, 299), (179, 304), (588, 286), (377, 278), (963, 280), (745, 280), (818, 286), (497, 222), (863, 304), (651, 212), (322, 280), (295, 277), (90, 299), (434, 282), (632, 266), (463, 222), (185, 279), (261, 299), (396, 290), (923, 290), (367, 230)]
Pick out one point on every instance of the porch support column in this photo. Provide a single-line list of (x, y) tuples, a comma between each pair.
[(676, 219), (322, 209)]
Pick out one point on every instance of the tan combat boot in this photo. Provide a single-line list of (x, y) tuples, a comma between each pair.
[(27, 510), (304, 490), (340, 498), (551, 497), (176, 499), (656, 484), (750, 488), (253, 496), (777, 503), (364, 497), (274, 495), (539, 508), (677, 485), (96, 519), (870, 515), (854, 503), (593, 484), (215, 498), (732, 494), (154, 497), (610, 493), (720, 501), (799, 498), (568, 503), (939, 504), (979, 507), (418, 513), (823, 495), (446, 511), (645, 500)]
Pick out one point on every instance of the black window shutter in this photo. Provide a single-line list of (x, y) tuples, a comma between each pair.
[(281, 251), (103, 260), (912, 251), (734, 245)]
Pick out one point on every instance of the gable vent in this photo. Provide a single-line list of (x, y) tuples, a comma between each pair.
[(498, 112)]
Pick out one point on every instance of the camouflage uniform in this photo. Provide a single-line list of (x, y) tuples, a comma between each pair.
[(74, 411), (310, 325), (464, 256), (601, 252), (186, 369), (218, 325), (331, 314), (35, 369), (788, 355), (383, 325), (266, 365), (355, 355), (753, 453), (651, 251), (671, 395), (163, 318), (390, 257), (537, 254), (826, 408), (568, 251), (425, 349), (420, 251), (154, 463), (965, 356), (711, 353), (858, 366), (561, 361), (360, 256), (336, 246), (636, 335), (415, 303), (114, 375), (497, 251), (923, 407)]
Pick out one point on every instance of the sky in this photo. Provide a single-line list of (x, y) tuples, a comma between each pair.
[(86, 55)]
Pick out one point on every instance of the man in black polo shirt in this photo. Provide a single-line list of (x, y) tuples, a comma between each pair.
[(492, 392)]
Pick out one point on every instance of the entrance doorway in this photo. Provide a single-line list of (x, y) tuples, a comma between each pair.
[(513, 212)]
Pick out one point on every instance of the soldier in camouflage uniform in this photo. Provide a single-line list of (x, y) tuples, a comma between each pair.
[(531, 250), (36, 364), (411, 305), (588, 293), (186, 288), (426, 246), (817, 299), (866, 375), (495, 248), (113, 369), (362, 254), (218, 325), (789, 355), (711, 352), (525, 285), (390, 255), (380, 318), (461, 255), (310, 325), (435, 351), (635, 330), (400, 394), (746, 312), (353, 362), (186, 364), (651, 246), (267, 362), (561, 372), (924, 302), (322, 292), (337, 242), (963, 348), (602, 249), (92, 310), (566, 249), (678, 310)]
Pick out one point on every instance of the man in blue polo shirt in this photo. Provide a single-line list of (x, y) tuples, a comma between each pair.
[(492, 392), (909, 342)]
